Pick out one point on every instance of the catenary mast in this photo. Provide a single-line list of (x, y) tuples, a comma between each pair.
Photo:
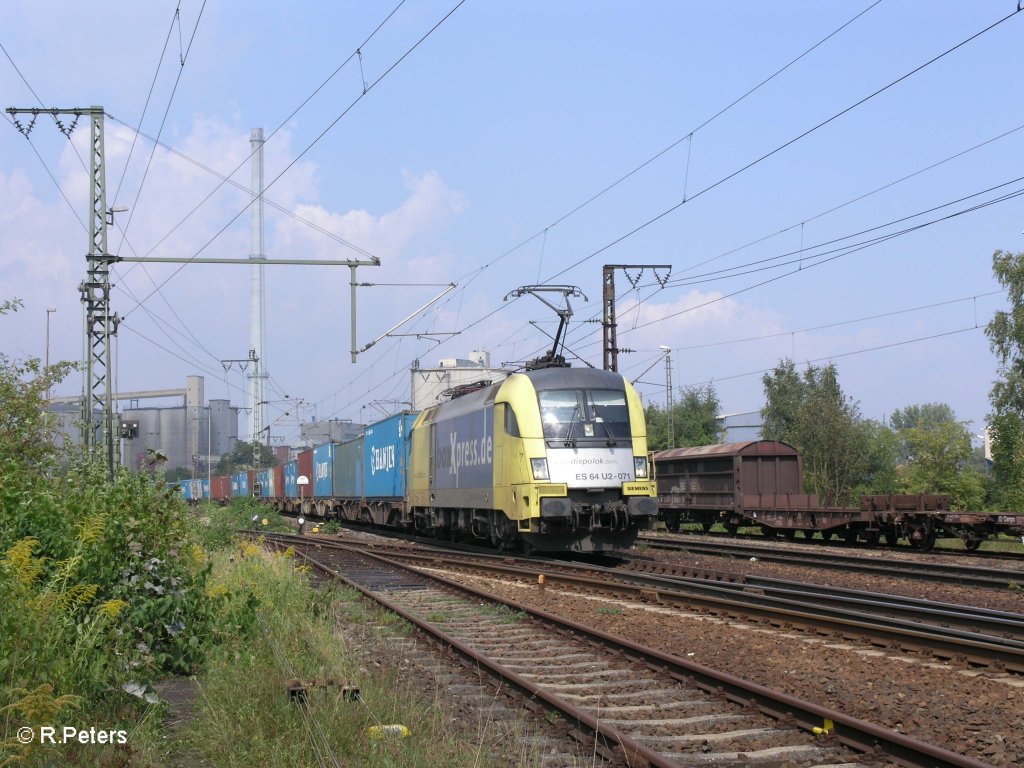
[(257, 332)]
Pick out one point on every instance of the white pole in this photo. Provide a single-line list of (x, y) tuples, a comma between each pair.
[(257, 334)]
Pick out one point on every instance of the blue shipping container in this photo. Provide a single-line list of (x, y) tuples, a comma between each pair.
[(323, 470), (386, 456), (291, 474), (348, 470), (240, 484), (206, 487), (265, 477)]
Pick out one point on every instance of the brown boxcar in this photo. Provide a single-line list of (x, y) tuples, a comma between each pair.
[(220, 488), (279, 481), (712, 483), (305, 464)]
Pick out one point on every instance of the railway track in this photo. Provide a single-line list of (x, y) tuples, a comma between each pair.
[(635, 702), (973, 636), (755, 536), (979, 636), (962, 575)]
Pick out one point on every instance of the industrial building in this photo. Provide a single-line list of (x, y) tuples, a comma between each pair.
[(193, 434), (329, 431), (428, 385)]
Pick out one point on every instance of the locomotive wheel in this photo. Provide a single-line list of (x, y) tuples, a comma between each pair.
[(503, 532)]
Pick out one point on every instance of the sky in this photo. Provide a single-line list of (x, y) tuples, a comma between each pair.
[(828, 182)]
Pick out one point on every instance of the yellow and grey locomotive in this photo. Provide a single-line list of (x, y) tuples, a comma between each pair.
[(554, 458)]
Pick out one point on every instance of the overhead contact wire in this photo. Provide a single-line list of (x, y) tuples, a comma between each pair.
[(311, 145), (781, 147), (469, 277)]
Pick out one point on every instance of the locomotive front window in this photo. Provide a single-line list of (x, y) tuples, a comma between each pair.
[(584, 414)]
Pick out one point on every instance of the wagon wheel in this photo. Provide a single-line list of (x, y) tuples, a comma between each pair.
[(768, 532), (825, 535), (706, 525), (972, 541), (731, 528), (789, 533), (923, 537)]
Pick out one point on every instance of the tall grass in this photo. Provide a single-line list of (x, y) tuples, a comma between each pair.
[(244, 714)]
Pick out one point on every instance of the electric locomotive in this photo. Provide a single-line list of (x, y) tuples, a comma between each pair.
[(553, 458)]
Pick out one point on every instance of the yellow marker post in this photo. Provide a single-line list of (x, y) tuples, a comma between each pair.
[(377, 732)]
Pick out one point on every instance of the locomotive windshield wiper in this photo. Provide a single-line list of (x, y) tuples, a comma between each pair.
[(600, 420), (569, 441)]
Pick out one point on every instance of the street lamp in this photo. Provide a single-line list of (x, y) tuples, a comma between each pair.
[(669, 404), (49, 311)]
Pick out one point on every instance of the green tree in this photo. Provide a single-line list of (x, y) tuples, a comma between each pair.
[(935, 455), (926, 415), (177, 473), (883, 445), (245, 455), (810, 412), (694, 420), (100, 587), (940, 456), (1006, 421), (26, 427), (695, 416), (923, 415)]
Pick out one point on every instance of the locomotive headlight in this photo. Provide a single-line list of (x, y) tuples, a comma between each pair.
[(540, 469), (640, 466)]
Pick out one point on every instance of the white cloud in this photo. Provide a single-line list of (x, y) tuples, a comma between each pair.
[(42, 248), (394, 236)]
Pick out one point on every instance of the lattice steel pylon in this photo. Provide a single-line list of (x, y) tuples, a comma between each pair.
[(100, 323), (609, 323)]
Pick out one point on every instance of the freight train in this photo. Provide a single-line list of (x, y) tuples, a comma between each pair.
[(553, 459), (760, 484)]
